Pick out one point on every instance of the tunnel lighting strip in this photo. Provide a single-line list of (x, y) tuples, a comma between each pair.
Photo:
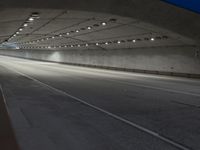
[(118, 42), (70, 32), (29, 20)]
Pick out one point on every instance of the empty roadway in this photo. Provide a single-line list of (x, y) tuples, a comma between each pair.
[(57, 107)]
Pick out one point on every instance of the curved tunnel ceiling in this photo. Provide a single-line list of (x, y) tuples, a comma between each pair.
[(96, 28)]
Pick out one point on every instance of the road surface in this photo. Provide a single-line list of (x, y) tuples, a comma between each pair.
[(60, 107)]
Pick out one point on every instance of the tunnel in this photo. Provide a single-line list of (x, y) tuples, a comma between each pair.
[(99, 75)]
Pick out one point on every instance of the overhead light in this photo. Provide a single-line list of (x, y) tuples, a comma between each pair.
[(72, 46), (31, 19), (34, 15), (118, 42), (133, 41), (79, 45), (86, 45), (104, 23), (152, 39), (97, 44), (67, 33), (77, 31), (60, 35), (53, 37), (106, 43), (89, 28)]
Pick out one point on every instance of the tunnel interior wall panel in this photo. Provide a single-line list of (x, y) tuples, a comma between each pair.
[(164, 59)]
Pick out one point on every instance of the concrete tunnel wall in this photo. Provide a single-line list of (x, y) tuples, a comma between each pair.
[(181, 61), (163, 60)]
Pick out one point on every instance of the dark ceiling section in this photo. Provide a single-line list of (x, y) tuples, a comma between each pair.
[(192, 5)]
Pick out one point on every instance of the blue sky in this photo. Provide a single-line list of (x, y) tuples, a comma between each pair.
[(193, 5)]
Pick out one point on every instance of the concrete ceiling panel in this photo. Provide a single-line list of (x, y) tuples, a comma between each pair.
[(52, 25)]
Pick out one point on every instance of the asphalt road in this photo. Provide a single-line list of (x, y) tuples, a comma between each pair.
[(59, 107)]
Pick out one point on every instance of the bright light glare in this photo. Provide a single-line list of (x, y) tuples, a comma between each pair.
[(31, 19), (104, 23), (89, 28), (152, 39)]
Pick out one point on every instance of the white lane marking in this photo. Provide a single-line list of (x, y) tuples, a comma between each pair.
[(131, 83), (140, 85), (135, 84), (5, 103), (157, 88), (150, 132), (4, 100)]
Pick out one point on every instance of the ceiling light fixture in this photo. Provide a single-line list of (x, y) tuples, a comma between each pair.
[(152, 39), (89, 28), (104, 23), (31, 19)]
